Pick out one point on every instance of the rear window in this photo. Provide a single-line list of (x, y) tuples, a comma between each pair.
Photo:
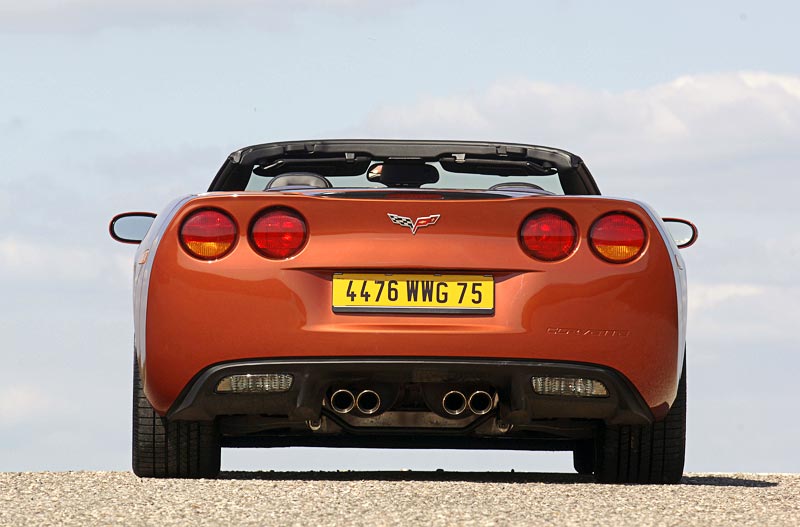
[(447, 180)]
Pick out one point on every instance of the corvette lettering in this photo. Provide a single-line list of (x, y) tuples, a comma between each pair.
[(424, 221), (589, 332)]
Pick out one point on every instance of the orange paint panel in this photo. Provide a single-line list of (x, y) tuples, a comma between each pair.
[(245, 306)]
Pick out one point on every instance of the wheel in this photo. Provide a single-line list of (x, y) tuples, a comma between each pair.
[(171, 449), (645, 454), (583, 457)]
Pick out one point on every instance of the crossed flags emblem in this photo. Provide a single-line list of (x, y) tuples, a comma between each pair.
[(418, 223)]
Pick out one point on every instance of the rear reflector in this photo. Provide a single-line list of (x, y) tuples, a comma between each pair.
[(548, 235), (572, 386), (208, 234), (256, 383), (617, 237), (279, 233)]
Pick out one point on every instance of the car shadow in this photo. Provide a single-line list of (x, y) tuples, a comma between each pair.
[(409, 475), (477, 477), (711, 480)]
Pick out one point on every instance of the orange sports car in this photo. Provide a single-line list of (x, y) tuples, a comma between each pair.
[(408, 294)]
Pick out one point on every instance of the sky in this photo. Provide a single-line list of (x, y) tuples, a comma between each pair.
[(108, 107)]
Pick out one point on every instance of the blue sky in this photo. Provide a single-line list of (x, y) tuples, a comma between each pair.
[(106, 107)]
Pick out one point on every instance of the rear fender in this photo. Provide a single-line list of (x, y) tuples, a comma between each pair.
[(679, 270), (142, 268)]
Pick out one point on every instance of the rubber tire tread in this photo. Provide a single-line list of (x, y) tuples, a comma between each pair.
[(651, 454), (171, 449)]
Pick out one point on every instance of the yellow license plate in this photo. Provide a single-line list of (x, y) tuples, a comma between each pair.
[(413, 293)]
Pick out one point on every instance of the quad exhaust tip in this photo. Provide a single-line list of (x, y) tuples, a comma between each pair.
[(454, 402), (480, 402), (342, 401), (368, 402)]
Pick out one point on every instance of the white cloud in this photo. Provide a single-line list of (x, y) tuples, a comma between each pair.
[(40, 261), (19, 402), (6, 199), (699, 116), (11, 126), (81, 15), (704, 297)]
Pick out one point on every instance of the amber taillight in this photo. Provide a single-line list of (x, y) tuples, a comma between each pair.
[(279, 233), (617, 237), (208, 234), (548, 235)]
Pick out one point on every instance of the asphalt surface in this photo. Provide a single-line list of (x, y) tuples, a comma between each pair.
[(394, 498)]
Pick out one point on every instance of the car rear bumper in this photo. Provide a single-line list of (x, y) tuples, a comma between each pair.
[(314, 379)]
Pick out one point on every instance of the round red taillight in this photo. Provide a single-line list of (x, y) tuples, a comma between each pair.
[(548, 235), (617, 237), (208, 234), (279, 233)]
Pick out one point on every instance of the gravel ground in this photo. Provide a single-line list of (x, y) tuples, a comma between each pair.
[(394, 498)]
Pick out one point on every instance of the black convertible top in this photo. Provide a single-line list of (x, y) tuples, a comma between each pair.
[(353, 156)]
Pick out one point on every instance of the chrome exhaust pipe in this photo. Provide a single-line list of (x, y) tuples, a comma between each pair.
[(368, 402), (454, 402), (342, 401), (480, 402)]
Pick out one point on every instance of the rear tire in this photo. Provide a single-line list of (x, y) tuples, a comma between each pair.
[(645, 454), (171, 449)]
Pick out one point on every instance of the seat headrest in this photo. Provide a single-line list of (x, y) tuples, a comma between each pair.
[(305, 179), (511, 185)]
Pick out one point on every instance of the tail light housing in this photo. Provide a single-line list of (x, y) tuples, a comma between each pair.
[(548, 235), (279, 233), (617, 237), (208, 234)]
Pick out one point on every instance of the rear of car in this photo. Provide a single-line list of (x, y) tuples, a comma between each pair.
[(399, 314)]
